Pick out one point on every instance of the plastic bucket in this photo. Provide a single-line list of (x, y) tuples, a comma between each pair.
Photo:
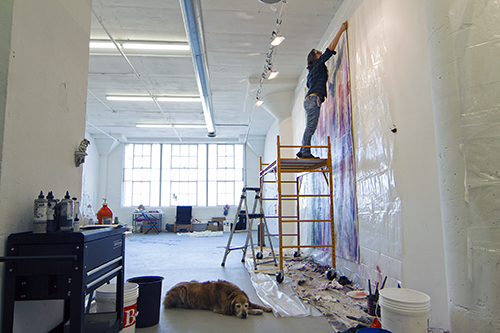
[(372, 330), (106, 302), (148, 304), (404, 310)]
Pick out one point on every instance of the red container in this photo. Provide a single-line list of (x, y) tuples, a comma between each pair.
[(105, 215)]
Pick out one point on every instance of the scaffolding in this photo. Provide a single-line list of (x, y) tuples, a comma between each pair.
[(288, 190)]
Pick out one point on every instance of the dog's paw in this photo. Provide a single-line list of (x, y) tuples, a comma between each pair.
[(255, 312), (267, 309)]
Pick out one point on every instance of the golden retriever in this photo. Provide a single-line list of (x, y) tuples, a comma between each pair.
[(219, 296)]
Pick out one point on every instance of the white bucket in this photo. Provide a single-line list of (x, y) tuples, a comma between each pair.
[(404, 310), (106, 302)]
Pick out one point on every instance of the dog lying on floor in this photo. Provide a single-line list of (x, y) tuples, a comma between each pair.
[(219, 296)]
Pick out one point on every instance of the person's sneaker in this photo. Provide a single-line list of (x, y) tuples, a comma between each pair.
[(305, 155)]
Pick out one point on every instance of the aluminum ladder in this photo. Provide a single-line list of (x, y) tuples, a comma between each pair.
[(250, 217)]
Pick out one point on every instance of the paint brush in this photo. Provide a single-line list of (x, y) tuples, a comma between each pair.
[(383, 283), (369, 286)]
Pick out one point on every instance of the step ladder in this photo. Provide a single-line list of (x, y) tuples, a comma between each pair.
[(250, 217)]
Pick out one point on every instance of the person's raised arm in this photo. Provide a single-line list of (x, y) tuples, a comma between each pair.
[(335, 40)]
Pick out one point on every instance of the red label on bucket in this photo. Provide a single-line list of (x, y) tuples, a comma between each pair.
[(129, 313)]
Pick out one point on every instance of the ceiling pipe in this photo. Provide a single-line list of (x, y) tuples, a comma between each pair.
[(193, 23)]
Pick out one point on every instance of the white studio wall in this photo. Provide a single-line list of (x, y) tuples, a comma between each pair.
[(43, 89), (463, 52), (391, 88)]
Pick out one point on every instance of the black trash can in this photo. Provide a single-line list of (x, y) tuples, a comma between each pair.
[(148, 303)]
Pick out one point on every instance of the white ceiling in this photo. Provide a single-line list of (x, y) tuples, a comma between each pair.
[(237, 38)]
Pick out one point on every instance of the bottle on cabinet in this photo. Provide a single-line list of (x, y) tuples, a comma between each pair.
[(40, 214), (51, 213), (65, 213), (105, 215)]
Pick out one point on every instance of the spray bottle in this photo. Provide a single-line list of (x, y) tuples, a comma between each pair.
[(105, 215), (65, 213), (40, 214)]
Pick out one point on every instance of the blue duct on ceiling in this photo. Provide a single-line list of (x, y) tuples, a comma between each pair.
[(191, 12)]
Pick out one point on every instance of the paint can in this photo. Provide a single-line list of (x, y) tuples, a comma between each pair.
[(106, 302), (404, 310)]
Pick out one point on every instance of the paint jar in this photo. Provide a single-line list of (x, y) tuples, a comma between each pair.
[(51, 213), (40, 214), (65, 213)]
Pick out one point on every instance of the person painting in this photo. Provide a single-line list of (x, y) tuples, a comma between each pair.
[(316, 85)]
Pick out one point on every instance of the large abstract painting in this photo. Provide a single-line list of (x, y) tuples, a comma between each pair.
[(335, 122)]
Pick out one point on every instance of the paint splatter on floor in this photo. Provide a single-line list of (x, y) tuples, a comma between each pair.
[(311, 285)]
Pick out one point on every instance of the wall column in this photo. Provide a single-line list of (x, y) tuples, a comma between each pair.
[(464, 50)]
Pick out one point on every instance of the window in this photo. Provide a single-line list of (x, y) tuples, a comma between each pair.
[(182, 174)]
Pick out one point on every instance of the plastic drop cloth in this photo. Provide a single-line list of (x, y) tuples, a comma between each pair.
[(280, 297), (379, 206), (465, 45)]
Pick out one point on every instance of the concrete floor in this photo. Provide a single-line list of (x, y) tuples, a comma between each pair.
[(184, 258)]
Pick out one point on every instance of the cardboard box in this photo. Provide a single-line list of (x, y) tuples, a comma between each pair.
[(220, 219), (215, 226)]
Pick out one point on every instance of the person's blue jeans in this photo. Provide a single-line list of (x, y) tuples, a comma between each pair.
[(312, 105)]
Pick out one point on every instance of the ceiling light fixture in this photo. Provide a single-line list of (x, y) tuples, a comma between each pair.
[(156, 46), (277, 40), (190, 126), (139, 45), (101, 45), (272, 75), (269, 2), (150, 99), (159, 125), (130, 98)]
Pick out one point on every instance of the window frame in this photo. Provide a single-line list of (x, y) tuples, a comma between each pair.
[(176, 184)]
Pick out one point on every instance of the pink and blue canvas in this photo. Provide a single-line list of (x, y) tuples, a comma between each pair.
[(336, 122)]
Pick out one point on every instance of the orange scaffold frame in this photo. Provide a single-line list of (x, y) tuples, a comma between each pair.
[(299, 167)]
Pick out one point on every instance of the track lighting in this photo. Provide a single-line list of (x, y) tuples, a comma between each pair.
[(277, 40), (272, 75)]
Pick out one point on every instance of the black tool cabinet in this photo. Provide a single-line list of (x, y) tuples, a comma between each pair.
[(67, 266)]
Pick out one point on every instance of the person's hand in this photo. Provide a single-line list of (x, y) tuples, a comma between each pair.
[(344, 26)]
